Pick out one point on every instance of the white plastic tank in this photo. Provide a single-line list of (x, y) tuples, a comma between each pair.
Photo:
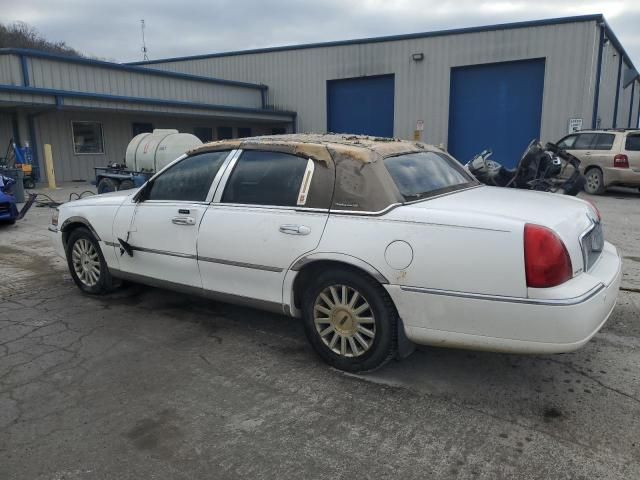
[(150, 152)]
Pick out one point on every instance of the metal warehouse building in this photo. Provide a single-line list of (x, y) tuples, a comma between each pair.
[(498, 86)]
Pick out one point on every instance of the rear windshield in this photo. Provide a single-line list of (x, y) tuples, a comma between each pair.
[(424, 174)]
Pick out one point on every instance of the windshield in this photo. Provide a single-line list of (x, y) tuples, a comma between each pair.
[(424, 174)]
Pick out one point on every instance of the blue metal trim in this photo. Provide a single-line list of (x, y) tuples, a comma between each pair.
[(615, 106), (141, 100), (502, 26), (263, 98), (25, 70), (34, 147), (633, 88), (59, 102), (24, 52), (596, 93)]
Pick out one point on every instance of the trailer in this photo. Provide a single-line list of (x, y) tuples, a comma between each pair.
[(146, 154)]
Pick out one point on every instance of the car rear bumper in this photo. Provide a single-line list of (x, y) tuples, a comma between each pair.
[(621, 176), (507, 324)]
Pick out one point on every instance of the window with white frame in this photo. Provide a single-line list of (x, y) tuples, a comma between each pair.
[(87, 137)]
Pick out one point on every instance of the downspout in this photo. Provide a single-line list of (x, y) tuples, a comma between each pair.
[(633, 88), (25, 71), (615, 106), (596, 94)]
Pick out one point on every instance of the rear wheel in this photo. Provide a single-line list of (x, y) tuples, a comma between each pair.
[(350, 320), (106, 185), (594, 182), (126, 185), (86, 263)]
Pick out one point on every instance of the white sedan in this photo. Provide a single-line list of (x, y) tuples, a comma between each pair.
[(376, 244)]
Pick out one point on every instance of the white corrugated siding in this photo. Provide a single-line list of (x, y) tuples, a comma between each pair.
[(60, 75), (297, 78)]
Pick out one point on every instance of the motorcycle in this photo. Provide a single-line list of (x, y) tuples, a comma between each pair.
[(540, 168)]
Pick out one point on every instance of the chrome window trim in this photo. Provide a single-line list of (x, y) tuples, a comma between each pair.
[(270, 207), (498, 298), (218, 176), (222, 184)]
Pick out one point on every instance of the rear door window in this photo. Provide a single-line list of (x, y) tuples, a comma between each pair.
[(604, 141), (584, 141), (632, 143), (266, 178)]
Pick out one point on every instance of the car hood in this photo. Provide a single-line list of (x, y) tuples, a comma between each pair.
[(111, 198)]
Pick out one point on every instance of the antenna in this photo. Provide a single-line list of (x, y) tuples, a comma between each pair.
[(145, 57)]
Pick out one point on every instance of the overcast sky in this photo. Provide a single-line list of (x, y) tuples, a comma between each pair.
[(111, 28)]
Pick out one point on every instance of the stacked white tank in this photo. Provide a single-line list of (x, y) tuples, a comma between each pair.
[(150, 152)]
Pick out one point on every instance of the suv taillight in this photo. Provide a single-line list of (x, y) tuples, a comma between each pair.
[(546, 260), (621, 161)]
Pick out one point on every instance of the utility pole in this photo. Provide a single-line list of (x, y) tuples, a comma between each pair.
[(145, 57)]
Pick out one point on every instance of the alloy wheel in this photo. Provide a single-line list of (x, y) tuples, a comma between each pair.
[(86, 262), (344, 320)]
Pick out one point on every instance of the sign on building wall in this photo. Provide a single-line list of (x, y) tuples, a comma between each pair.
[(575, 124)]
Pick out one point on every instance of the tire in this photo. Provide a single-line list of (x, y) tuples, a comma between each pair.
[(594, 182), (349, 344), (86, 263), (29, 184), (106, 185), (126, 185)]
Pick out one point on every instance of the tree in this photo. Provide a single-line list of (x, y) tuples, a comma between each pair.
[(22, 35)]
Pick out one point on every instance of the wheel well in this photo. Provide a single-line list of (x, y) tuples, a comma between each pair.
[(591, 167), (309, 271), (70, 228)]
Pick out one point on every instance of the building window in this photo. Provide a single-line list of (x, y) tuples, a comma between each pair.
[(205, 134), (225, 133), (141, 127), (244, 132), (87, 138)]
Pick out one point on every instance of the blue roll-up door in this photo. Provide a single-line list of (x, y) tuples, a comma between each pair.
[(496, 106), (361, 105)]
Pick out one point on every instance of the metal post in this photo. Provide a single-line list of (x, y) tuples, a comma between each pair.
[(615, 106), (633, 88), (596, 95), (48, 162)]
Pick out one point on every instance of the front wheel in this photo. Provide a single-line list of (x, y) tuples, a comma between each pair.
[(350, 320), (86, 263)]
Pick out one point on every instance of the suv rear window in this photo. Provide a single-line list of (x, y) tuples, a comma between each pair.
[(632, 143), (424, 174)]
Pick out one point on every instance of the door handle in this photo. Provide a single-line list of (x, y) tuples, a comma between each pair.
[(295, 229), (183, 221), (588, 154)]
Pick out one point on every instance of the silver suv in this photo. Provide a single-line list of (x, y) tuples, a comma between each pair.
[(608, 157)]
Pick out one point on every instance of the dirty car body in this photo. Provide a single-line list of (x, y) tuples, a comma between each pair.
[(374, 243)]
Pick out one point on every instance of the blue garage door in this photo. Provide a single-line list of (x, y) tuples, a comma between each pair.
[(361, 105), (496, 106)]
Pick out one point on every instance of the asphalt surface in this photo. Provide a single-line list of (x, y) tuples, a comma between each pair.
[(146, 383)]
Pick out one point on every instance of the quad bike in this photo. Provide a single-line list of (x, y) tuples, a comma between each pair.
[(540, 168)]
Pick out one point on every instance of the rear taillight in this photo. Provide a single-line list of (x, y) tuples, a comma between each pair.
[(546, 260), (621, 161)]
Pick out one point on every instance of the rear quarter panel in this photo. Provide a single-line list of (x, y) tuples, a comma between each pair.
[(451, 251)]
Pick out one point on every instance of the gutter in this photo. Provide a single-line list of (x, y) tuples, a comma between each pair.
[(61, 94)]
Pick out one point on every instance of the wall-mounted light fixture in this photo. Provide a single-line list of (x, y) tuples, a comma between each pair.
[(417, 57)]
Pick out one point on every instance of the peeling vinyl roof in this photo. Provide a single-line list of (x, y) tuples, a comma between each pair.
[(323, 147)]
